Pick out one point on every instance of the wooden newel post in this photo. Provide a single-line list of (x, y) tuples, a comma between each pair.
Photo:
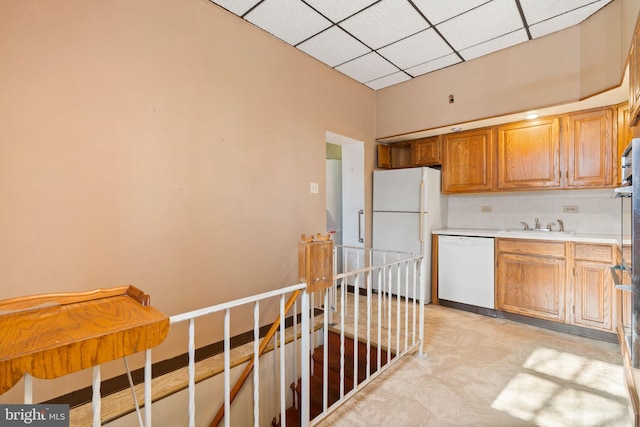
[(315, 262)]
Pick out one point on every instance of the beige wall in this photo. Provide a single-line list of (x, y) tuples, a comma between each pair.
[(560, 68), (161, 143)]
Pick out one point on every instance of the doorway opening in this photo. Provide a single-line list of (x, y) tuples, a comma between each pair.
[(345, 192)]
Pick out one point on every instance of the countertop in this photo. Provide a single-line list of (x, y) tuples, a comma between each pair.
[(536, 235)]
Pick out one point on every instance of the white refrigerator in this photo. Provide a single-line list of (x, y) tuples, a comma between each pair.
[(407, 205)]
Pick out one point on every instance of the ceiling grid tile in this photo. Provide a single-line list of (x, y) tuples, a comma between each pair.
[(380, 43)]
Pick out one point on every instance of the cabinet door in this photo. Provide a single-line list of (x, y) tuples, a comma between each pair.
[(589, 147), (626, 309), (425, 151), (634, 78), (529, 154), (467, 161), (625, 133), (623, 298), (531, 285), (384, 156), (593, 292)]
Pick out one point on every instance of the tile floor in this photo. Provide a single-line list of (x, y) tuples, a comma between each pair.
[(482, 371)]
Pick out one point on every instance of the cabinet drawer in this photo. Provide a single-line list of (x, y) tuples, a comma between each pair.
[(532, 247), (602, 253)]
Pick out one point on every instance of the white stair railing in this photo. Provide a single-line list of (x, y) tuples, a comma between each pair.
[(371, 304), (226, 308), (364, 305)]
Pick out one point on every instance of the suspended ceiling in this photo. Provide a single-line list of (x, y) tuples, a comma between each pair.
[(384, 42)]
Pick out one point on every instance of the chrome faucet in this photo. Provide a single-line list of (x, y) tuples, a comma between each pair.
[(550, 226), (524, 225), (537, 226), (561, 224)]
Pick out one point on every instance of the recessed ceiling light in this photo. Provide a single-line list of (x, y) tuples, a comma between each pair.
[(456, 129), (531, 116)]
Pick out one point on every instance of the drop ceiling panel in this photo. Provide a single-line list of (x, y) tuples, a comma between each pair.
[(337, 10), (383, 42), (434, 65), (493, 45), (563, 21), (488, 21), (389, 80), (289, 20), (323, 47), (239, 7), (368, 67), (417, 49), (438, 11), (539, 10), (384, 23)]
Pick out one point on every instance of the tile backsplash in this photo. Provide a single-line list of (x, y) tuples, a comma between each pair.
[(597, 212)]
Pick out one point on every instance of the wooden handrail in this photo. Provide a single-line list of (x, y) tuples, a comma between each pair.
[(250, 364), (64, 298)]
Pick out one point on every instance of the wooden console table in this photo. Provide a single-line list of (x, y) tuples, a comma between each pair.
[(51, 335)]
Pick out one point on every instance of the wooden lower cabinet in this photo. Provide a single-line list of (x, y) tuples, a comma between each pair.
[(563, 282), (625, 317), (623, 298), (531, 278), (593, 288)]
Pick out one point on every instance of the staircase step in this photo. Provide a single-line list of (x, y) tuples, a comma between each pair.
[(334, 360), (315, 391), (333, 363), (293, 417)]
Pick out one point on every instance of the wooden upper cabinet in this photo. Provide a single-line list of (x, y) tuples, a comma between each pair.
[(384, 156), (409, 154), (574, 150), (590, 148), (425, 151), (467, 161), (625, 134), (529, 154), (634, 77)]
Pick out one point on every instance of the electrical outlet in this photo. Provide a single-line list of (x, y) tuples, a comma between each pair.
[(486, 209), (570, 209), (313, 187)]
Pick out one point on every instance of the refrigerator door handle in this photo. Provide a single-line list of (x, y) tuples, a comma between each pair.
[(360, 215), (421, 210)]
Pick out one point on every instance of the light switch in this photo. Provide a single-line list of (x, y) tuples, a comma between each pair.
[(314, 188)]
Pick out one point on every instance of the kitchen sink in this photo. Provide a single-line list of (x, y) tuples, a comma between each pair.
[(537, 232)]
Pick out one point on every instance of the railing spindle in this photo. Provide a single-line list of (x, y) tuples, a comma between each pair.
[(406, 306), (227, 368), (96, 399), (369, 298), (147, 387), (28, 389), (356, 316), (325, 358), (343, 314), (398, 299), (192, 373), (256, 364), (306, 380), (283, 372)]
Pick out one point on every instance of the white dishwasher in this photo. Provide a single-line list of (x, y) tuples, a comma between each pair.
[(466, 270)]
